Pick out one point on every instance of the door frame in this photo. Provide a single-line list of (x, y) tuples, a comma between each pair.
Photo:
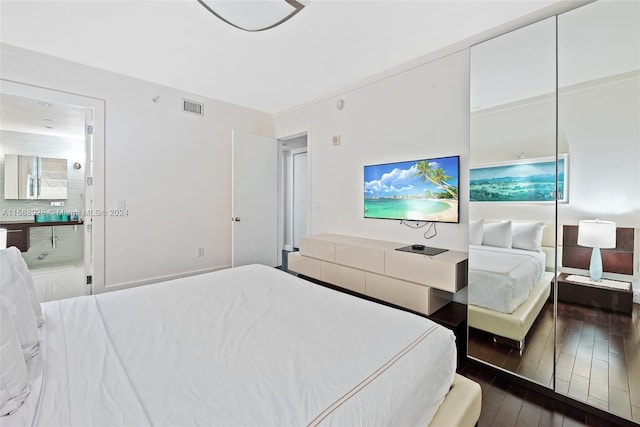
[(282, 191), (94, 253)]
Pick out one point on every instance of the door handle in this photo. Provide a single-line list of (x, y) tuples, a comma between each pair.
[(236, 219)]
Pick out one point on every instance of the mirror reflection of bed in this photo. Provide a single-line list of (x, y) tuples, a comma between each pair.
[(510, 316), (573, 95)]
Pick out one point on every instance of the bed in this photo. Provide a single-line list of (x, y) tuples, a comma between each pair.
[(245, 346), (509, 286)]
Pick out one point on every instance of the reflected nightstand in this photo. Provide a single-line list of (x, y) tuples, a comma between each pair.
[(594, 295)]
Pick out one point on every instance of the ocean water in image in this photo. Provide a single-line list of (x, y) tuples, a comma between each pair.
[(523, 182), (415, 209), (514, 189)]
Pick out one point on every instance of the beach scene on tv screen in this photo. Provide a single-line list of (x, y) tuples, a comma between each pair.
[(422, 190)]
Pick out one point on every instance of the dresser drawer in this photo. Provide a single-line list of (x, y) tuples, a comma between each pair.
[(413, 296), (317, 248), (363, 258), (306, 266), (345, 277), (445, 275)]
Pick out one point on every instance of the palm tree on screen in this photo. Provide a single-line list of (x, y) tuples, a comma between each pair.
[(437, 176)]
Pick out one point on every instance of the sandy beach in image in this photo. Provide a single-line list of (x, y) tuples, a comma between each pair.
[(448, 215)]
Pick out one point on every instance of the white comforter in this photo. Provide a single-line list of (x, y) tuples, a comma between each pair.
[(501, 279), (247, 346)]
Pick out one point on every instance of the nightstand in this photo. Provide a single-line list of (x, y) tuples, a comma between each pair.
[(454, 316), (593, 295)]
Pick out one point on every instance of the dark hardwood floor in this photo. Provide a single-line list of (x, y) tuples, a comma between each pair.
[(598, 358), (507, 404)]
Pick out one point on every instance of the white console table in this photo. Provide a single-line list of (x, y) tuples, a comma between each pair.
[(375, 268)]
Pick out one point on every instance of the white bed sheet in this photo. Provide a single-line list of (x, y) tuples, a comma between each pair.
[(501, 279), (247, 346)]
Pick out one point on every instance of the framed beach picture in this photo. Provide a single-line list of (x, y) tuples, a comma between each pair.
[(520, 181)]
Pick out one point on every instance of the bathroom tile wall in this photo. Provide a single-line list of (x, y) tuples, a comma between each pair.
[(70, 239)]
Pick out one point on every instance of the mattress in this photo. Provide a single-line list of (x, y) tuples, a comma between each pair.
[(246, 346), (501, 279)]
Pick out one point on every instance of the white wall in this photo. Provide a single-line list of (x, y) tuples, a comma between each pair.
[(601, 126), (422, 112), (171, 168)]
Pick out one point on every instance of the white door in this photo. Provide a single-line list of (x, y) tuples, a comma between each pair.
[(254, 200)]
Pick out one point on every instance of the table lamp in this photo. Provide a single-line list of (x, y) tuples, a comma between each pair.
[(596, 234)]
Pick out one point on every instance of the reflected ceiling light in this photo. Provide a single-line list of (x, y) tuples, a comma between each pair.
[(254, 15)]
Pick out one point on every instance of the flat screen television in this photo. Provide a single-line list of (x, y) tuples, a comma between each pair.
[(417, 190)]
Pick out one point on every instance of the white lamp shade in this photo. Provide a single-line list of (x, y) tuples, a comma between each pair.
[(597, 234)]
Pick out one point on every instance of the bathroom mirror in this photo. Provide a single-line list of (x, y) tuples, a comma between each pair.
[(512, 201), (32, 177), (598, 347)]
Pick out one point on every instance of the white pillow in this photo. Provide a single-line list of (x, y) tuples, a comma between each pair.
[(497, 234), (15, 296), (16, 258), (13, 370), (527, 235), (475, 231)]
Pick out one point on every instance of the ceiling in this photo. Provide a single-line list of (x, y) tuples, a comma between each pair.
[(28, 115), (178, 43)]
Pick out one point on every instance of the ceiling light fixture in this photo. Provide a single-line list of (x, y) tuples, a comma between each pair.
[(254, 15)]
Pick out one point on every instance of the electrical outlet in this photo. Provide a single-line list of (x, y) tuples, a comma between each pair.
[(200, 252)]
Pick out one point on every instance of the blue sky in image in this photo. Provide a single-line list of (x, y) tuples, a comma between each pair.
[(396, 179)]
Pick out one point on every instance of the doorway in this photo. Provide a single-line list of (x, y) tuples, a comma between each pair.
[(43, 126), (295, 191)]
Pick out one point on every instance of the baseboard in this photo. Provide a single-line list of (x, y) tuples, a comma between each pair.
[(158, 279)]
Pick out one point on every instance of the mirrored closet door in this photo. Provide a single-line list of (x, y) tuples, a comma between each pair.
[(555, 182), (598, 340), (512, 201)]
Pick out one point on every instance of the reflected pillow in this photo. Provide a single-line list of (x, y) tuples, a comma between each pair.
[(14, 387), (497, 234), (475, 231), (527, 235)]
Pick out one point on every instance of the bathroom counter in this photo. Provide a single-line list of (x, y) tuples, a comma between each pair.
[(18, 231)]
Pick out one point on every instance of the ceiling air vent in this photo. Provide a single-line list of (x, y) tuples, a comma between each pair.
[(192, 107)]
